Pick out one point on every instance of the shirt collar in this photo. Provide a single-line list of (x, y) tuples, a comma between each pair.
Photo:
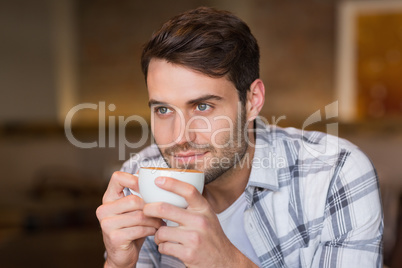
[(264, 170)]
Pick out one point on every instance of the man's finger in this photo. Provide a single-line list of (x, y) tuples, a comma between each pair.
[(172, 234), (187, 191), (123, 205), (174, 249), (168, 212), (127, 235), (129, 220), (118, 182)]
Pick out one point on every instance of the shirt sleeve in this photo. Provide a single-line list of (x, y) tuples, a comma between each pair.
[(353, 224)]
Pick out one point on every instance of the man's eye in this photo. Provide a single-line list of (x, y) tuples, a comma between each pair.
[(203, 107), (163, 110)]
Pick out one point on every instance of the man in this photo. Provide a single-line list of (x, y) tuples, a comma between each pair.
[(305, 209)]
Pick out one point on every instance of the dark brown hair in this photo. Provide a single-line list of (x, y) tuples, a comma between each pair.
[(213, 42)]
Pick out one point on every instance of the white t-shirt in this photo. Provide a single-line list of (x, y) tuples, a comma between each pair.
[(232, 223)]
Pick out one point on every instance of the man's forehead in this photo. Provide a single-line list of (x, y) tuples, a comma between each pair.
[(168, 82)]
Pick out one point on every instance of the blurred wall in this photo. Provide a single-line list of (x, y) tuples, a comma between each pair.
[(27, 82), (297, 54)]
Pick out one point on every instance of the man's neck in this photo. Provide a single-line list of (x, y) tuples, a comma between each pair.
[(226, 189)]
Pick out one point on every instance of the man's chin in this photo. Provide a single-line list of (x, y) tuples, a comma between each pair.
[(186, 166)]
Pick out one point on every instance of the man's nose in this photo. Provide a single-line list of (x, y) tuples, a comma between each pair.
[(182, 130)]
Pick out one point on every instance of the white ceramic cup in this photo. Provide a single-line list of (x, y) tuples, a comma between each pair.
[(152, 193)]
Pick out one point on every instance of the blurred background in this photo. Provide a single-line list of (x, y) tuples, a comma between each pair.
[(55, 55)]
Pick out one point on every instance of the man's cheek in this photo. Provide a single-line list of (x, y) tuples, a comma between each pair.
[(162, 138), (222, 138)]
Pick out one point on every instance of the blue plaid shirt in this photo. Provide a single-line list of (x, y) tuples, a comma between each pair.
[(312, 201)]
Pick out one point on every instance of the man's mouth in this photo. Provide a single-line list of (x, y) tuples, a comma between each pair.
[(188, 156)]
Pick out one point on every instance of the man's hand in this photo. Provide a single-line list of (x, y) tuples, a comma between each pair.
[(124, 225), (199, 240)]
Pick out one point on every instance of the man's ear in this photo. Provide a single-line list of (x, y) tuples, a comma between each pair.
[(255, 99)]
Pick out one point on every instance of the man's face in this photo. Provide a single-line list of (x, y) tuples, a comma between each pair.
[(197, 121)]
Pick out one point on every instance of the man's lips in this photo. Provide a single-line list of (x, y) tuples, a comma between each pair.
[(188, 155)]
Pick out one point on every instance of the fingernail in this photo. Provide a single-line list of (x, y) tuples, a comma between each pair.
[(160, 180)]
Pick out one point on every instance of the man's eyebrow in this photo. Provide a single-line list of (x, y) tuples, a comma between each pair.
[(153, 102), (204, 98)]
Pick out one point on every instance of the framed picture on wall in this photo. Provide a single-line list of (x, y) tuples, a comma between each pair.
[(369, 60)]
